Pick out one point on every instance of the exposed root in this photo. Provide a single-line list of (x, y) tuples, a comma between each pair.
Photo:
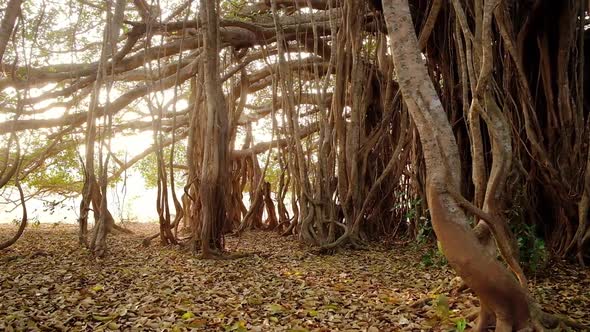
[(540, 321), (120, 229), (289, 229), (325, 251), (146, 242), (358, 244), (559, 322), (216, 255)]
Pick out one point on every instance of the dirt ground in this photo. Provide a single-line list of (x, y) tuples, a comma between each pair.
[(48, 282)]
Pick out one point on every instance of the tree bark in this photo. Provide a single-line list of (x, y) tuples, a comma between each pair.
[(94, 191), (11, 12), (502, 298), (215, 167)]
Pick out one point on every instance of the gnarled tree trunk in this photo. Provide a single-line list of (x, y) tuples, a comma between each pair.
[(502, 298), (215, 167)]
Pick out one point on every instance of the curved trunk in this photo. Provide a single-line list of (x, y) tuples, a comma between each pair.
[(23, 223), (272, 221), (503, 298)]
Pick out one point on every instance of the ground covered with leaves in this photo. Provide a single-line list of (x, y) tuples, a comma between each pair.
[(48, 282)]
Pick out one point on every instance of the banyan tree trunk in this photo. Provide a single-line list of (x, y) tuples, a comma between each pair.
[(502, 298), (215, 167)]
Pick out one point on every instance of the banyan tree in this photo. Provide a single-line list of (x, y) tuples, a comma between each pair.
[(379, 117)]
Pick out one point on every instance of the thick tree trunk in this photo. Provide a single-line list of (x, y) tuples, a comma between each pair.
[(501, 296), (215, 167)]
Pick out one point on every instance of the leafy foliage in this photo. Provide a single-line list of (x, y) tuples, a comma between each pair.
[(461, 324), (532, 251), (232, 8), (59, 173), (273, 172), (148, 166), (434, 257)]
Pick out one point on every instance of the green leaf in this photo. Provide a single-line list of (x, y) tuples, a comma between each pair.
[(97, 288), (275, 308), (254, 300), (197, 323), (239, 326), (188, 315), (331, 306), (113, 326), (441, 305), (103, 318), (460, 325)]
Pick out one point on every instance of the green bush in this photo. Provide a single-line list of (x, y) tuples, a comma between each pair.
[(434, 257), (531, 248)]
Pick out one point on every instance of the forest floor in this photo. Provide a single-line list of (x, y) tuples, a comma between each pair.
[(48, 282)]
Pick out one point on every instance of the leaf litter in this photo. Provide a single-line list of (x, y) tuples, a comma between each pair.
[(48, 282)]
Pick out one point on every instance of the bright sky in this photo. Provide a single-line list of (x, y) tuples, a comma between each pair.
[(135, 201), (139, 201)]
